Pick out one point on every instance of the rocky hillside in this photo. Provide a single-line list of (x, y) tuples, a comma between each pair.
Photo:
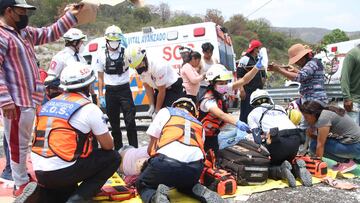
[(310, 35)]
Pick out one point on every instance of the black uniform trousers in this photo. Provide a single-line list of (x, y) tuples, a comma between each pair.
[(119, 98), (93, 171), (170, 172)]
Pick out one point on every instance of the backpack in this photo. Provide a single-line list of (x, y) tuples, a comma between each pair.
[(219, 180), (247, 161)]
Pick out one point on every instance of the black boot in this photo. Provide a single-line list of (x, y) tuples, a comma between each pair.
[(207, 195), (161, 195), (300, 171), (283, 172)]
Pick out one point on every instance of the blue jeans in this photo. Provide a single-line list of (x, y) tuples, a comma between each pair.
[(230, 136), (337, 151), (7, 156)]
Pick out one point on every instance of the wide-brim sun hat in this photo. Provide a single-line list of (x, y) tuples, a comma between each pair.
[(296, 52)]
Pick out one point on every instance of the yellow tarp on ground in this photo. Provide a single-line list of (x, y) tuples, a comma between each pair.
[(241, 190)]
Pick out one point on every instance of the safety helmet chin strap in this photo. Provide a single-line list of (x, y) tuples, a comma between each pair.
[(74, 44)]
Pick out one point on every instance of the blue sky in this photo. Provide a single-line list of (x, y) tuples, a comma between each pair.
[(331, 14)]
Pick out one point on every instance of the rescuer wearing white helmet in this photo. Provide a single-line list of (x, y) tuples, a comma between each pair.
[(62, 152), (74, 43), (162, 83), (213, 107), (271, 122), (113, 73)]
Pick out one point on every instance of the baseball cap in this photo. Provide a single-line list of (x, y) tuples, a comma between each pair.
[(253, 44), (16, 3)]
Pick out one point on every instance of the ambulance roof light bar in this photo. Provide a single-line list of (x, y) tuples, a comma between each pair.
[(146, 30)]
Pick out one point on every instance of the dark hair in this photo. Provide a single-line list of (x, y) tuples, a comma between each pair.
[(315, 108), (85, 90), (207, 46), (2, 10), (195, 55)]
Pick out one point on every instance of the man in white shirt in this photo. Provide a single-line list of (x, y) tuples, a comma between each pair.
[(272, 127), (113, 72), (62, 153), (206, 62), (74, 44), (177, 152), (162, 83)]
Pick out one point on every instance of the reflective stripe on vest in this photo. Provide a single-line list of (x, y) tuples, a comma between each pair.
[(54, 136), (181, 127), (211, 123)]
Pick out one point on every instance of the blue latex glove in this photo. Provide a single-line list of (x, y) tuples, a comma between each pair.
[(259, 64), (102, 102), (242, 126)]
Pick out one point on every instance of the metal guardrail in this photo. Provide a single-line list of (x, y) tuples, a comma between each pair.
[(287, 94)]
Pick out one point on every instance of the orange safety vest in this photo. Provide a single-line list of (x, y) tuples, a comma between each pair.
[(211, 122), (54, 136), (181, 127)]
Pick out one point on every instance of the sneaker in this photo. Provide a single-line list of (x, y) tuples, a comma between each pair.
[(286, 173), (209, 196), (301, 172), (26, 193), (161, 195), (345, 167)]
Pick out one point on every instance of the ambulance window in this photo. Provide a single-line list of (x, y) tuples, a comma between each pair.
[(226, 55), (172, 35)]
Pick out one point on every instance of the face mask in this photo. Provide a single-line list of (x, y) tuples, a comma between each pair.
[(114, 44), (141, 70), (222, 89), (23, 22)]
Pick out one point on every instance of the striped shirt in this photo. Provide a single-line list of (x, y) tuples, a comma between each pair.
[(20, 82), (312, 79)]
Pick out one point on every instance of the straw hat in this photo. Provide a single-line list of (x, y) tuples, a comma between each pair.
[(296, 52)]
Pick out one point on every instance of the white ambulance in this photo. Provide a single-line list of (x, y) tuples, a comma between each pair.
[(333, 59), (164, 44)]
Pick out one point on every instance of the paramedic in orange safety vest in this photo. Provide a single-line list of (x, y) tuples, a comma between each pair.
[(213, 107), (62, 153), (163, 85), (177, 154)]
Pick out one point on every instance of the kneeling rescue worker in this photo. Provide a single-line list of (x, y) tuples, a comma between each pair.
[(177, 153), (62, 153)]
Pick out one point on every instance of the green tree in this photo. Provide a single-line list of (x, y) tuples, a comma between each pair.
[(335, 36), (236, 24), (214, 15)]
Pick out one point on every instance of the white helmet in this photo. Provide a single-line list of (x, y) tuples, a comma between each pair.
[(187, 103), (218, 72), (260, 94), (74, 34), (76, 75), (135, 55), (113, 33)]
